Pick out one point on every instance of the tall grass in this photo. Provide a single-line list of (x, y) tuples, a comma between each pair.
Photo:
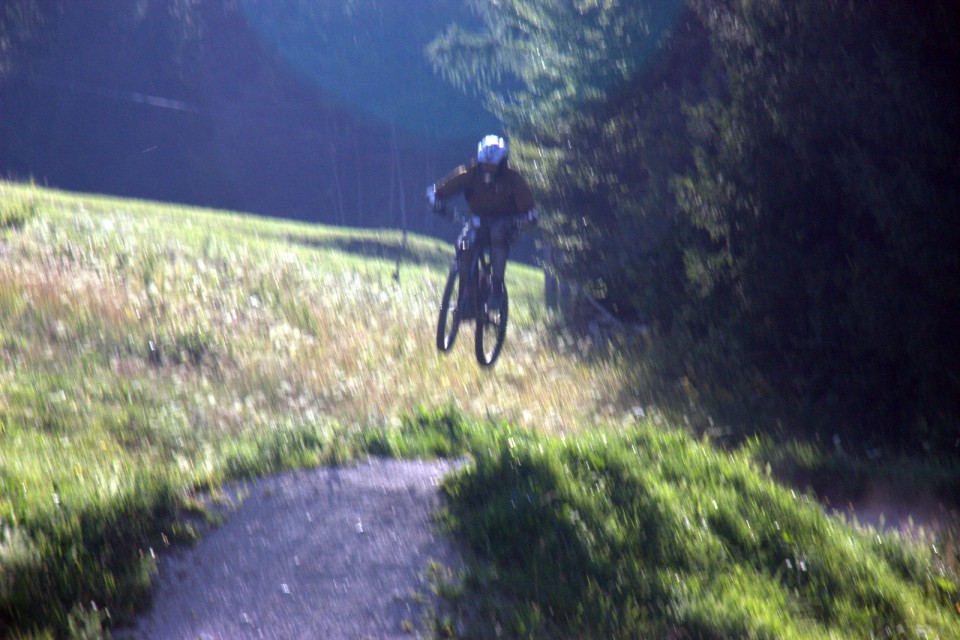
[(647, 533), (148, 351)]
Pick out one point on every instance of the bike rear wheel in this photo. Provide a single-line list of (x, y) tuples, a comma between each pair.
[(491, 332), (449, 320)]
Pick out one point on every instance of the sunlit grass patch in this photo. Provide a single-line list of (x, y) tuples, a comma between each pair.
[(230, 286), (16, 211)]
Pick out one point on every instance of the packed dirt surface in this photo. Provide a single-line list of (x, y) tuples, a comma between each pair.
[(325, 553)]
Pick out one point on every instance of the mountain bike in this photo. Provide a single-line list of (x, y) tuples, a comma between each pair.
[(471, 299)]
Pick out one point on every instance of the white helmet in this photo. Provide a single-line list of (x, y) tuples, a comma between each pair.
[(492, 150)]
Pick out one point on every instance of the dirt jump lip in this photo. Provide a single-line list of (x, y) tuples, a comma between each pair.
[(337, 552)]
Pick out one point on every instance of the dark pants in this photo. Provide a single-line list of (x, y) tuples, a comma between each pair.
[(498, 233)]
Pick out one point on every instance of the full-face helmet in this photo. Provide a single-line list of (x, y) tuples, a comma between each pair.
[(492, 156)]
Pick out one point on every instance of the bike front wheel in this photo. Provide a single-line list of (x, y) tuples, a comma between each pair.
[(449, 320), (491, 332)]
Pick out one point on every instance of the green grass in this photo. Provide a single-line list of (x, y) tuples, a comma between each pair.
[(648, 533), (148, 350), (16, 212), (151, 351)]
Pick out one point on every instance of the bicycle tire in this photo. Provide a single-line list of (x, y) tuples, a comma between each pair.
[(492, 325), (449, 314)]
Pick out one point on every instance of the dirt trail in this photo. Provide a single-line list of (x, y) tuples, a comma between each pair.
[(325, 553)]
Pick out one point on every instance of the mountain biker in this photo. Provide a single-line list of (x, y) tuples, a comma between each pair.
[(496, 194)]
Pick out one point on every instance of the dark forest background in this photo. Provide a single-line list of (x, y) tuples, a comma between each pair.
[(775, 197), (770, 189), (236, 104)]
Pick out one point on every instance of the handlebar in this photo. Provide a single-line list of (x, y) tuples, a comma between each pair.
[(521, 220), (464, 217)]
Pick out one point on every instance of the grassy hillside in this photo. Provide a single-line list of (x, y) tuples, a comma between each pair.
[(149, 350), (146, 349)]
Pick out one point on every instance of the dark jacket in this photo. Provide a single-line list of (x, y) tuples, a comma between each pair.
[(507, 195)]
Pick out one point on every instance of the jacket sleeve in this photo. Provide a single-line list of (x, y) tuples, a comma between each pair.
[(453, 183), (523, 196)]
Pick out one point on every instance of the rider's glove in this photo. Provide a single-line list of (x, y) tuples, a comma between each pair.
[(436, 203), (529, 218)]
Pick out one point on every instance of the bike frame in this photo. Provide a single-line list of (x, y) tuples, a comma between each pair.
[(472, 285)]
